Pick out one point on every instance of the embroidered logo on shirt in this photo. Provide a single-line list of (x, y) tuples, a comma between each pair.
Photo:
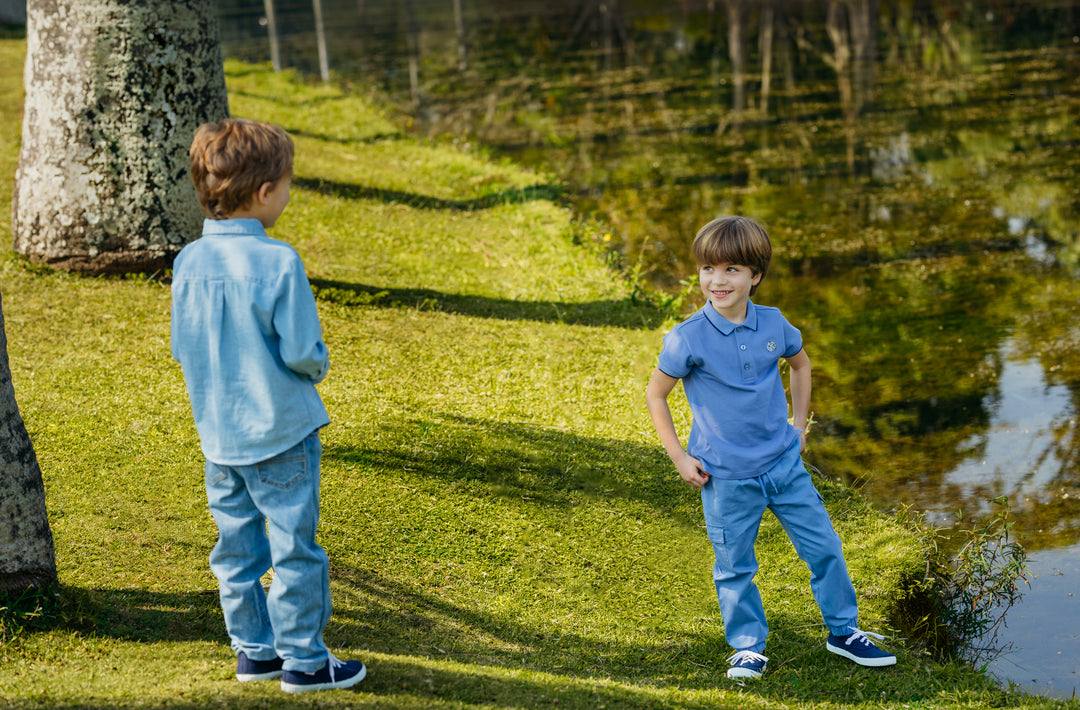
[(771, 346)]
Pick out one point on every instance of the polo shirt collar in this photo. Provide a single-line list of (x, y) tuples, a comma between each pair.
[(724, 325)]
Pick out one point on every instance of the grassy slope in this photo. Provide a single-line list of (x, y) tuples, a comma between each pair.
[(503, 529)]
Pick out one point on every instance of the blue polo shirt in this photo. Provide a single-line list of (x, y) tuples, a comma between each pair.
[(731, 377), (246, 332)]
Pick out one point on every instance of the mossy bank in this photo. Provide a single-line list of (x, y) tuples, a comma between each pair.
[(503, 529)]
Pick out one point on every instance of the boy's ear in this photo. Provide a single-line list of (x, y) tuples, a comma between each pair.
[(263, 193)]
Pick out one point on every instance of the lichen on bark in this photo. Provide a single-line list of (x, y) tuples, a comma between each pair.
[(114, 93), (27, 555)]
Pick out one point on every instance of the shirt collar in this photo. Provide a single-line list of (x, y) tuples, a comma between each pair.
[(232, 227), (724, 325)]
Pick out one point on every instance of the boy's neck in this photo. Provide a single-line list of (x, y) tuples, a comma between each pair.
[(734, 318)]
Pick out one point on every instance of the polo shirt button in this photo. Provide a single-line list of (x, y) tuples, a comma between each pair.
[(742, 347), (746, 366)]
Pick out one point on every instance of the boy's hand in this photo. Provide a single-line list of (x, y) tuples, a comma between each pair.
[(692, 471)]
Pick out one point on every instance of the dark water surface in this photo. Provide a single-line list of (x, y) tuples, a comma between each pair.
[(926, 221)]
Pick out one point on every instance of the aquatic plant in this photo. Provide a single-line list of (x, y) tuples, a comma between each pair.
[(973, 577)]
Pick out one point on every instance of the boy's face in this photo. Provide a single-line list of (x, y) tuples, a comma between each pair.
[(727, 286)]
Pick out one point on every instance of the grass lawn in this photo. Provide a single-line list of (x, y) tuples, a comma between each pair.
[(503, 529)]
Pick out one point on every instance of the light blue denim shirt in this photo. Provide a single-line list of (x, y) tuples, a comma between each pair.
[(246, 332), (731, 376)]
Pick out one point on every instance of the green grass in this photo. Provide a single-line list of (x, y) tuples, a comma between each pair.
[(504, 531)]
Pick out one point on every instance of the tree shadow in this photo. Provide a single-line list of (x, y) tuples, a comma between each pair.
[(544, 465), (293, 100), (630, 312), (413, 632), (367, 139), (136, 615), (519, 461), (510, 196), (405, 625)]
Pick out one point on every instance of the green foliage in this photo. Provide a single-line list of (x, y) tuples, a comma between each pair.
[(973, 577), (980, 583)]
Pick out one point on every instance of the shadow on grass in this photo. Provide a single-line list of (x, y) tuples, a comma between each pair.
[(352, 191), (541, 464), (627, 313), (366, 139), (423, 650), (406, 623), (294, 100), (524, 462), (386, 616), (136, 615)]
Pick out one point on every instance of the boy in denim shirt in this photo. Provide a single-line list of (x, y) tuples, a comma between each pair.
[(246, 332), (742, 452)]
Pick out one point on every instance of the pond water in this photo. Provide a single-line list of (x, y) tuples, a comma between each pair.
[(923, 204)]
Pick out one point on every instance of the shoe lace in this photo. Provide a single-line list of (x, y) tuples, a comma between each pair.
[(332, 664), (740, 657), (861, 636)]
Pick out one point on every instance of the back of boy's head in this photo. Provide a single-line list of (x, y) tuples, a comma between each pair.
[(734, 240), (232, 158)]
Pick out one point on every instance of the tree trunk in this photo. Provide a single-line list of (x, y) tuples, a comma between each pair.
[(838, 29), (27, 557), (272, 33), (737, 52), (114, 93), (320, 41), (765, 42), (414, 52), (864, 20), (459, 28)]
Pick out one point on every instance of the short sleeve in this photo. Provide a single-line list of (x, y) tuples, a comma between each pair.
[(792, 339), (675, 359)]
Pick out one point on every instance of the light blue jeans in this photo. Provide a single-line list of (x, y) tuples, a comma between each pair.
[(266, 515), (733, 510)]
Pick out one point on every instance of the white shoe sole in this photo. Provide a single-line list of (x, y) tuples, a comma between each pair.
[(346, 683), (869, 662), (251, 677), (742, 673)]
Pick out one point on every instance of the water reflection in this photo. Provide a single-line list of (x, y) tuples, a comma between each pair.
[(1044, 658), (1016, 456)]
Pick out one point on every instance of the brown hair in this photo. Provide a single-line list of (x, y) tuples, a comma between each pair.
[(734, 240), (233, 158)]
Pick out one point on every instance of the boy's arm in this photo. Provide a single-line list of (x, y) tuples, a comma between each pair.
[(656, 395), (800, 392), (296, 320)]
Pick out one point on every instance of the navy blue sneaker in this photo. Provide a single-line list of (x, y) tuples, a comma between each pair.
[(248, 669), (746, 664), (857, 647), (335, 674)]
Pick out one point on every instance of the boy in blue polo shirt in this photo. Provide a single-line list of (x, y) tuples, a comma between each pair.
[(246, 333), (742, 452)]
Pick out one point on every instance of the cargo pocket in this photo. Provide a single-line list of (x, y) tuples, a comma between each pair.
[(718, 538)]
